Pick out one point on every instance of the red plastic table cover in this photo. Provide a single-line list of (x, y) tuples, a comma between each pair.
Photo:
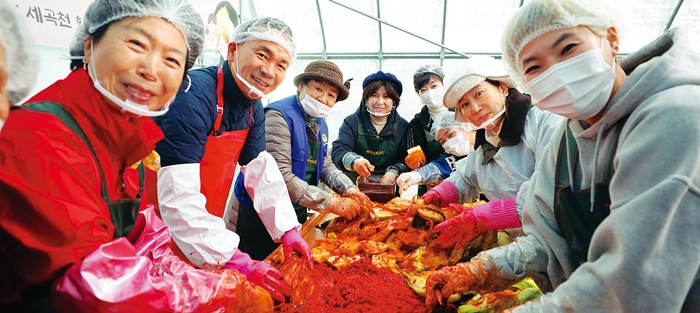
[(141, 273)]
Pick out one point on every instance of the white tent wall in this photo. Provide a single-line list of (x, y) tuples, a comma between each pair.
[(360, 46)]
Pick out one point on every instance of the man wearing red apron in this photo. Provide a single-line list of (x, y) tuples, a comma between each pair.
[(216, 122)]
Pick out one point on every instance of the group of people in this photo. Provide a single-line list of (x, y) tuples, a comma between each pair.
[(564, 138)]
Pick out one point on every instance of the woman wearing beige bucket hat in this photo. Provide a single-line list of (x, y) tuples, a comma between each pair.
[(511, 135), (297, 137)]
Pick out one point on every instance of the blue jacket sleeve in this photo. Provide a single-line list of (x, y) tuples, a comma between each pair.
[(446, 164), (255, 142), (186, 127)]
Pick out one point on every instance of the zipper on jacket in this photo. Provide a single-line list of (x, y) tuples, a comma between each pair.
[(121, 176)]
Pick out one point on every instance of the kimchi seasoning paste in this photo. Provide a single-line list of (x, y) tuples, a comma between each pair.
[(359, 287)]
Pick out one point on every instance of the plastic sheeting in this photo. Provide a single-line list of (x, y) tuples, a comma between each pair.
[(142, 274)]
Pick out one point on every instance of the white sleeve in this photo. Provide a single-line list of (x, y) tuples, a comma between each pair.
[(201, 236), (267, 189)]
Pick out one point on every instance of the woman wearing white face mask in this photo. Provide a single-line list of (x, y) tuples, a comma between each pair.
[(64, 153), (456, 142), (613, 199), (427, 82), (510, 138), (297, 137), (373, 139)]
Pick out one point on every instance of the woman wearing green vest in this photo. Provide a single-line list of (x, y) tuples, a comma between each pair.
[(372, 141), (297, 138)]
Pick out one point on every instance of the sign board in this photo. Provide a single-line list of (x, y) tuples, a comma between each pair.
[(54, 23)]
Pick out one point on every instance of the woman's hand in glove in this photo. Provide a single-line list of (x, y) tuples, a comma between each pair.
[(357, 195), (363, 167), (389, 177), (407, 180), (260, 273), (460, 230), (292, 241), (478, 274), (344, 207)]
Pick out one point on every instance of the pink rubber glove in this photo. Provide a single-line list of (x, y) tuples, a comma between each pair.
[(442, 194), (292, 241), (463, 228), (260, 273)]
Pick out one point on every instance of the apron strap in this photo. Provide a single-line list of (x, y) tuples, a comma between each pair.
[(219, 100), (562, 167), (60, 112), (609, 171), (220, 103)]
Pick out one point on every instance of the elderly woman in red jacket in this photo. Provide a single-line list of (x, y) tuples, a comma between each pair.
[(64, 153)]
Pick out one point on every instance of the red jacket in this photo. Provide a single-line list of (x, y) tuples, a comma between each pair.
[(51, 211)]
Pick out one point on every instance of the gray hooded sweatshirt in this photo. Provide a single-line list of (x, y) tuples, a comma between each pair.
[(645, 256)]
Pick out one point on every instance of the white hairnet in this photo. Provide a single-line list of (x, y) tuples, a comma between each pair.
[(538, 17), (178, 12), (430, 68), (445, 120), (21, 61), (269, 29), (473, 71)]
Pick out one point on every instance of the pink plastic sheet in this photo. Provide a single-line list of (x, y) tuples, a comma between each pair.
[(142, 274)]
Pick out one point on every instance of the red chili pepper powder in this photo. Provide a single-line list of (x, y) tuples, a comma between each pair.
[(359, 287)]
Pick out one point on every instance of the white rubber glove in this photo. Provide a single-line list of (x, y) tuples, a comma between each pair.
[(406, 180), (202, 237), (267, 188)]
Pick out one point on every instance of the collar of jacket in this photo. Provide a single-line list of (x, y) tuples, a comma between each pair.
[(130, 139), (233, 94), (310, 120), (388, 129), (513, 125), (424, 118)]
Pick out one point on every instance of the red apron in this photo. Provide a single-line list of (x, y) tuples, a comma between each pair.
[(218, 165)]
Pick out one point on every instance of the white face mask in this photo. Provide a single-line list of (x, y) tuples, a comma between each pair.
[(457, 145), (433, 98), (253, 93), (313, 107), (126, 105), (378, 114), (488, 124), (577, 88)]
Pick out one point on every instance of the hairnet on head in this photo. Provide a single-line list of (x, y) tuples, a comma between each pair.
[(429, 68), (473, 71), (268, 29), (21, 61), (178, 12), (538, 17), (445, 120)]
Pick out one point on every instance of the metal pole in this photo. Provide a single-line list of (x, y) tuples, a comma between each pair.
[(399, 28), (381, 46), (673, 15), (444, 21), (323, 32)]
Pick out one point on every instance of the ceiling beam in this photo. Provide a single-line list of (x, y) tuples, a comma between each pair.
[(381, 41), (673, 15), (323, 32), (444, 21)]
